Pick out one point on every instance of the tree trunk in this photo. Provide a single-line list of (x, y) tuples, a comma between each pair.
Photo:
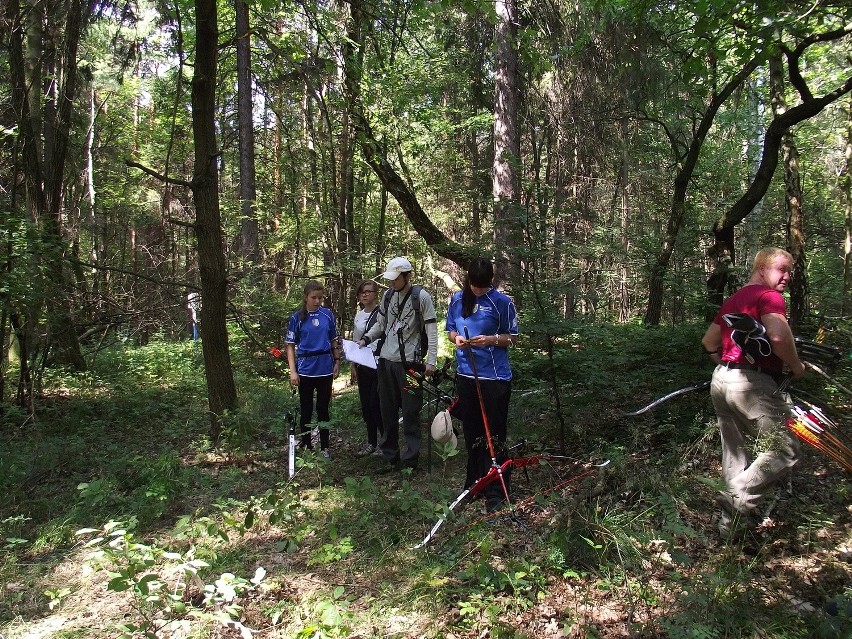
[(686, 164), (792, 182), (807, 108), (624, 308), (846, 188), (249, 247), (44, 165), (507, 148), (221, 391), (376, 156)]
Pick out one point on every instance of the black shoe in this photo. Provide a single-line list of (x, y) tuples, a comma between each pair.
[(388, 468), (492, 506)]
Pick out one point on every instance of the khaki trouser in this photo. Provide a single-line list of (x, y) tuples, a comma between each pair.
[(757, 448)]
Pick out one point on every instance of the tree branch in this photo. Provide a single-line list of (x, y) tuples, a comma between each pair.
[(158, 176)]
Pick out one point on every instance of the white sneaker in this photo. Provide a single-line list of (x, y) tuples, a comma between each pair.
[(378, 452), (325, 454)]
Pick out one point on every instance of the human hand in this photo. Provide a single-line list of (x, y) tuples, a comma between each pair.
[(483, 341), (429, 371), (294, 379)]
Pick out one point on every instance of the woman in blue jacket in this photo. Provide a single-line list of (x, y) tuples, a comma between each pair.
[(488, 318), (313, 353)]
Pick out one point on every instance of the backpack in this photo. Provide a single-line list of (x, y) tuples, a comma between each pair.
[(414, 294)]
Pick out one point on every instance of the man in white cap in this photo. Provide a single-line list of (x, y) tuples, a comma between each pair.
[(399, 325)]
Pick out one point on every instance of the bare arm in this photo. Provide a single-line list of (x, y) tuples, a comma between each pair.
[(712, 342), (783, 345), (291, 362), (336, 353)]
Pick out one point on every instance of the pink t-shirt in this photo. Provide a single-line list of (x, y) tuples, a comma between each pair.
[(756, 301)]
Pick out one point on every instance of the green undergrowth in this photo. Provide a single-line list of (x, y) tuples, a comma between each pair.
[(112, 492)]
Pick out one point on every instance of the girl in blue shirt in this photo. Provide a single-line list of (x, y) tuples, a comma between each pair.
[(491, 322), (313, 353)]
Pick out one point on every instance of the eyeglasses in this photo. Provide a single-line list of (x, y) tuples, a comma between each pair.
[(367, 291)]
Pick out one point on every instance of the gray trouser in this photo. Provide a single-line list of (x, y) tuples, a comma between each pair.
[(757, 449), (395, 394)]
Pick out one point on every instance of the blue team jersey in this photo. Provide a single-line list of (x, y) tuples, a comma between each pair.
[(494, 313), (313, 338)]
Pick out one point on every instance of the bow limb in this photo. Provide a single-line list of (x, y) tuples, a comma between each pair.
[(536, 460), (665, 398), (443, 518), (493, 474), (829, 378), (477, 487)]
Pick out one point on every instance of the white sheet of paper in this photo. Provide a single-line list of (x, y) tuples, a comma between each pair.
[(358, 354)]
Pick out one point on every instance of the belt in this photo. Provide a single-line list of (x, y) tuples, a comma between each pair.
[(745, 367), (313, 353), (754, 367)]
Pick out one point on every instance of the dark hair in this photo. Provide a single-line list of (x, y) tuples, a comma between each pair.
[(310, 286), (364, 283), (480, 273), (360, 288)]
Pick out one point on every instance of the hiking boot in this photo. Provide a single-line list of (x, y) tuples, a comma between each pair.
[(734, 525)]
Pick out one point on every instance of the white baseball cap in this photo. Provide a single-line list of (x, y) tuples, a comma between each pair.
[(442, 429), (396, 267)]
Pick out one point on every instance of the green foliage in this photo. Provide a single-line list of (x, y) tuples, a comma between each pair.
[(138, 568), (200, 522), (326, 618), (519, 578)]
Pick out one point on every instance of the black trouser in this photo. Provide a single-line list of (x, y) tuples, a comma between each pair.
[(368, 392), (307, 386), (495, 396)]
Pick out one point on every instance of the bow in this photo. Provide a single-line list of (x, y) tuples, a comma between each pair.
[(494, 474), (681, 391)]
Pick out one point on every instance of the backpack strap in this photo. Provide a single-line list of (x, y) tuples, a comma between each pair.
[(414, 295), (371, 319)]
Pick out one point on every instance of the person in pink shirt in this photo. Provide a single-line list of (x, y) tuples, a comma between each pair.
[(751, 343)]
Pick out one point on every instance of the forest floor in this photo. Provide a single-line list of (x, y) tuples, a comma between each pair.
[(215, 544)]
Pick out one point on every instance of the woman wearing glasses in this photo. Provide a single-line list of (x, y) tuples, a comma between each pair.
[(366, 377)]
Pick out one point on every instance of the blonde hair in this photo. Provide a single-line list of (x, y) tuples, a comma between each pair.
[(766, 256)]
